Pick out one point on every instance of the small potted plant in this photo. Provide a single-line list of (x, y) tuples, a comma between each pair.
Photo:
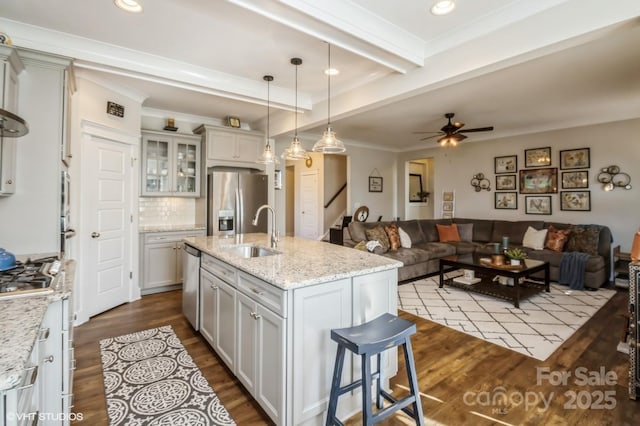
[(515, 255)]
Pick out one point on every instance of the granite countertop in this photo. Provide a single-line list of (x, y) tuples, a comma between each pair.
[(143, 229), (300, 262), (20, 320)]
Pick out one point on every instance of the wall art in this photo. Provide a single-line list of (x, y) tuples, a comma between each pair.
[(575, 159), (575, 200), (506, 164), (506, 200), (573, 180), (506, 182), (537, 157), (539, 181), (537, 204)]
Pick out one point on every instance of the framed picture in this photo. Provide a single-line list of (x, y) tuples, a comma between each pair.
[(575, 200), (506, 182), (233, 122), (575, 159), (375, 184), (574, 180), (506, 164), (537, 204), (277, 179), (447, 206), (415, 188), (539, 181), (537, 157), (506, 200), (447, 196), (447, 215)]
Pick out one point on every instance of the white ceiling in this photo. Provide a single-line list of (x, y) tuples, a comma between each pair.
[(520, 65)]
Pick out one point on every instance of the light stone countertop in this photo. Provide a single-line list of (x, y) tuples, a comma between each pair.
[(143, 229), (301, 262), (20, 320)]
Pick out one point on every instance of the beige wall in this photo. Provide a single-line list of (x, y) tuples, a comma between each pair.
[(612, 143)]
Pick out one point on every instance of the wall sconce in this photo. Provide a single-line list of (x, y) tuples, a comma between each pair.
[(479, 182), (611, 177)]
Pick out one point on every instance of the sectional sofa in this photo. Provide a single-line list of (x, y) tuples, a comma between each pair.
[(426, 248)]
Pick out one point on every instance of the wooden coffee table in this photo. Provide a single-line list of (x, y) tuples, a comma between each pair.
[(487, 272)]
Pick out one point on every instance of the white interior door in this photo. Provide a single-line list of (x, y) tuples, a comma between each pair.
[(309, 205), (107, 214)]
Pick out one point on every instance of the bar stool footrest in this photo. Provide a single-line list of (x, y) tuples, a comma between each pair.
[(398, 404)]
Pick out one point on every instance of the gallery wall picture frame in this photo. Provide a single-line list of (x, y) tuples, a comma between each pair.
[(539, 181), (505, 164), (448, 196), (375, 184), (575, 180), (506, 182), (575, 200), (506, 200), (575, 159), (537, 157), (537, 204)]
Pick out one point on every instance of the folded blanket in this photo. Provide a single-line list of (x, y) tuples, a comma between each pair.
[(573, 265)]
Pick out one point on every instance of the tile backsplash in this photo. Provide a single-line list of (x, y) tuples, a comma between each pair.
[(166, 211)]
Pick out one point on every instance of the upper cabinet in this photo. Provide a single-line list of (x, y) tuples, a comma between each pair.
[(10, 67), (231, 147), (170, 164)]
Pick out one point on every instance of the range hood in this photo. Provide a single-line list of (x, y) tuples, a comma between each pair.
[(12, 126)]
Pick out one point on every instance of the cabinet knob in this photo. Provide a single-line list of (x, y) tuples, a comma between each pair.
[(255, 315), (95, 235), (48, 359), (214, 287), (10, 181)]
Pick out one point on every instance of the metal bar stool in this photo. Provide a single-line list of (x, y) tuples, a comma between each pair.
[(372, 338)]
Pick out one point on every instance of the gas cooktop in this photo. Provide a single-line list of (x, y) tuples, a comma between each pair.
[(32, 277)]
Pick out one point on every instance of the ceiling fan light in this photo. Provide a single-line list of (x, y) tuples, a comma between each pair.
[(443, 7)]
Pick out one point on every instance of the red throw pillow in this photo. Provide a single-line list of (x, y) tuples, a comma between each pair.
[(557, 238), (448, 232)]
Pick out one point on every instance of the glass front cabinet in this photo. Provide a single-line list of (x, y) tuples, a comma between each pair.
[(170, 165)]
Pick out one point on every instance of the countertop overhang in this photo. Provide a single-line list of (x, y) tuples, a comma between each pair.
[(300, 263)]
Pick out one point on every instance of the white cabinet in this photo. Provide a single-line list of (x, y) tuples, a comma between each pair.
[(10, 67), (162, 259), (218, 315), (170, 165), (231, 147)]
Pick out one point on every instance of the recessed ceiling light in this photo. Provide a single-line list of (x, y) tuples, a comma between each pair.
[(129, 5), (332, 71), (443, 7)]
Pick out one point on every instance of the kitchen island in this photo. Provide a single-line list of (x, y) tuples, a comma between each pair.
[(269, 317)]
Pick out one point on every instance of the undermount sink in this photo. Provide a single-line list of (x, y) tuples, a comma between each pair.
[(248, 251)]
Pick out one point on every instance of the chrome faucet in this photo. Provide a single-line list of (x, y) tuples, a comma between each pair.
[(275, 237)]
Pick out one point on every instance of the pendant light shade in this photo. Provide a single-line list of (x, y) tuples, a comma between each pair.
[(329, 144), (268, 156), (295, 151)]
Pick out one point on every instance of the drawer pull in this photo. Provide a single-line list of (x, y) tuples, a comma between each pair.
[(44, 334), (32, 380), (257, 291), (214, 287)]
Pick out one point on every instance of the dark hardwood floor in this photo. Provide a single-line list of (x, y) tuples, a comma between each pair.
[(464, 380)]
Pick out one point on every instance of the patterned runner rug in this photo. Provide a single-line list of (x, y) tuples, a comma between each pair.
[(541, 324), (150, 379)]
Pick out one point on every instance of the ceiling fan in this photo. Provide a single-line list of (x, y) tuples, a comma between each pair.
[(451, 133)]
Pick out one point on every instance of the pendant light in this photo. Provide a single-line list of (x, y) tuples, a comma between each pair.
[(329, 144), (267, 156), (295, 150)]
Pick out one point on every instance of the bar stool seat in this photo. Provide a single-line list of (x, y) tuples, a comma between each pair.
[(368, 339)]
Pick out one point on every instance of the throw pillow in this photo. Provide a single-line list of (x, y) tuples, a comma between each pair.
[(465, 230), (448, 232), (378, 234), (557, 238), (584, 239), (534, 239), (394, 236), (405, 239)]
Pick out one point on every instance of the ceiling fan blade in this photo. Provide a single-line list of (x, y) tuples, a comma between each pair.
[(417, 133), (478, 129), (431, 137)]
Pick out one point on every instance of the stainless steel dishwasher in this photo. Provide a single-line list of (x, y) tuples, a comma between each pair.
[(191, 285)]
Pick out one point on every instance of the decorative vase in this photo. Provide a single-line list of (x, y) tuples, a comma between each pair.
[(497, 259)]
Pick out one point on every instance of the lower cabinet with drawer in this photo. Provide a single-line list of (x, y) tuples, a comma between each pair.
[(161, 260)]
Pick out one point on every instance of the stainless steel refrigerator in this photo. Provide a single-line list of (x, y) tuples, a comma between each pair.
[(233, 196)]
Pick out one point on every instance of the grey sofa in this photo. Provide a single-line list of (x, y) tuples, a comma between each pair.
[(426, 250)]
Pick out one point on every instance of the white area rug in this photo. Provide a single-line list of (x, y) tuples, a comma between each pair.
[(541, 324), (150, 379)]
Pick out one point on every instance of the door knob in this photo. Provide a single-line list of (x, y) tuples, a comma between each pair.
[(95, 235)]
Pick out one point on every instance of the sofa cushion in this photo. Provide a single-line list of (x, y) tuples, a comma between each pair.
[(405, 239), (394, 236), (448, 233), (465, 230), (514, 230), (438, 250), (357, 229), (557, 238), (465, 247), (482, 229), (594, 263), (378, 234), (409, 256), (534, 239), (584, 238), (412, 227), (430, 230)]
